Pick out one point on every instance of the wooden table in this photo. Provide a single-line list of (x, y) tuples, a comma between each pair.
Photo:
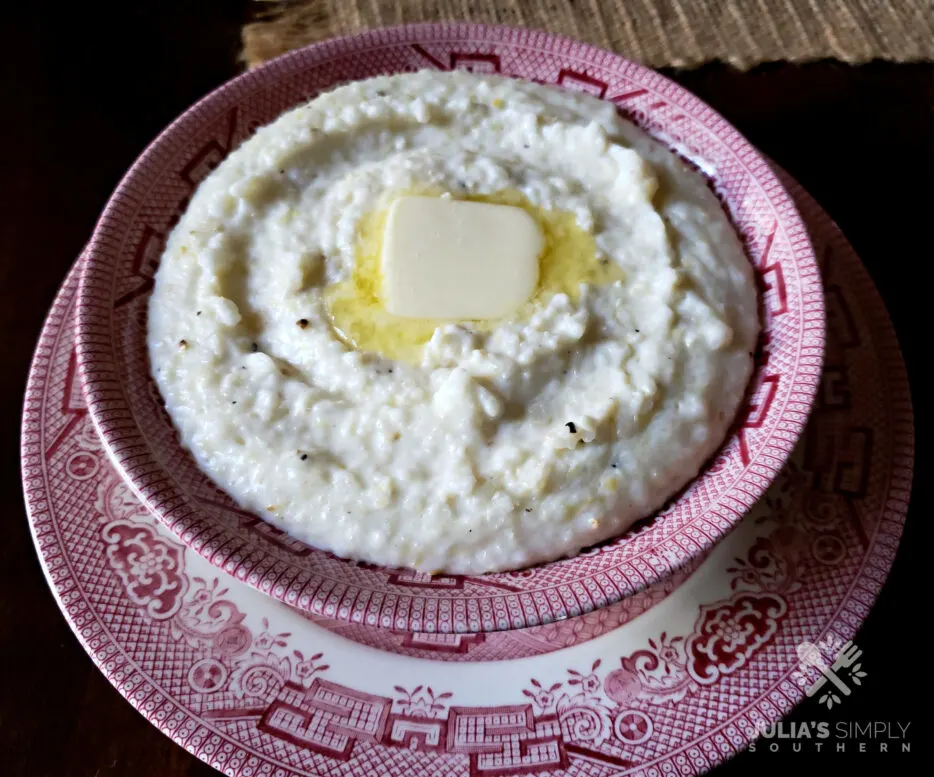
[(84, 91)]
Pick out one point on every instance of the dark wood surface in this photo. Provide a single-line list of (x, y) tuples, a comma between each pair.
[(85, 87)]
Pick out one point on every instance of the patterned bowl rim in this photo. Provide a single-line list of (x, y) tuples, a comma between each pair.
[(131, 452)]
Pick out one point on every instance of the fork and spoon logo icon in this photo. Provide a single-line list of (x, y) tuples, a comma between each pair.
[(831, 682)]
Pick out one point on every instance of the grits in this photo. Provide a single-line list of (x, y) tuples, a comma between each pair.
[(455, 446)]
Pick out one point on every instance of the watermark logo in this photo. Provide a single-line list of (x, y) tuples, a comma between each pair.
[(829, 671), (843, 736), (836, 666)]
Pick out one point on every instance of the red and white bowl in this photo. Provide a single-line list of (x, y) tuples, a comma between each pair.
[(126, 408)]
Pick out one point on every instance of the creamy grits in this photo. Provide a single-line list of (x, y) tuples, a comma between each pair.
[(440, 445)]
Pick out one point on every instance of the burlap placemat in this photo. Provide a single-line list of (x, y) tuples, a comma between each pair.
[(658, 33)]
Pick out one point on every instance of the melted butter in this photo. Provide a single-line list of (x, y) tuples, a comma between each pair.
[(569, 258)]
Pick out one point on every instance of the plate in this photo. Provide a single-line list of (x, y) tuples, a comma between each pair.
[(255, 687), (127, 411)]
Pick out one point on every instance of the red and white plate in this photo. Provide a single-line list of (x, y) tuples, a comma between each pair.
[(671, 682), (125, 405)]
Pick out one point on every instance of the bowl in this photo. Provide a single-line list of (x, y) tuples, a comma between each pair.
[(127, 411), (510, 644)]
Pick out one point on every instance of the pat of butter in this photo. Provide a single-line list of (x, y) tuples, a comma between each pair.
[(454, 259)]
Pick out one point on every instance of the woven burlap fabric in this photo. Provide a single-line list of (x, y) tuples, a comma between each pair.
[(658, 33)]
